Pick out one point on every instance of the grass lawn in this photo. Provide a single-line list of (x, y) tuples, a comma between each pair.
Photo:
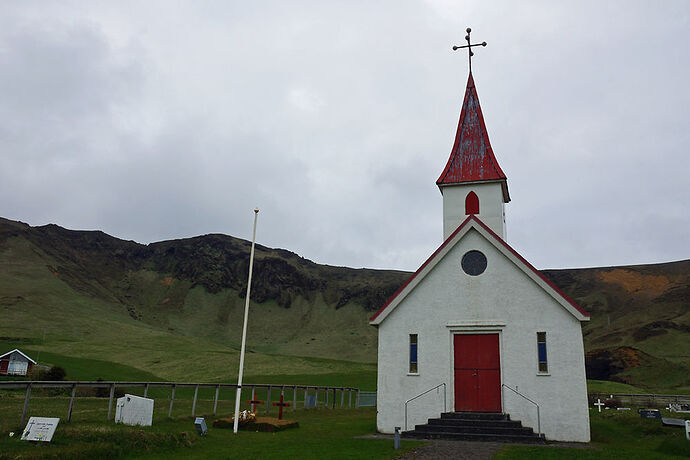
[(616, 434), (322, 434)]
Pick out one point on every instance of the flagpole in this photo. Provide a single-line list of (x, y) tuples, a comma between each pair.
[(244, 328)]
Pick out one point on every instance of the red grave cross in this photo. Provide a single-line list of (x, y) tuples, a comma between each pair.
[(281, 404), (254, 402)]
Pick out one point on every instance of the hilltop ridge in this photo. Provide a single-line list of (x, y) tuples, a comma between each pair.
[(194, 288)]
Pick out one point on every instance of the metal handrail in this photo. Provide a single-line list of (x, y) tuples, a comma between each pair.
[(422, 394), (520, 394)]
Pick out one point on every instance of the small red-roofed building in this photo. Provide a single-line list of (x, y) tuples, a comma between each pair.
[(477, 324)]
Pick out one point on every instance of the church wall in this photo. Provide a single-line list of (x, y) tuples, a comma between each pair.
[(491, 206), (503, 300)]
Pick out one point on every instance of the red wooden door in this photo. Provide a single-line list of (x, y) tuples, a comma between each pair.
[(477, 373)]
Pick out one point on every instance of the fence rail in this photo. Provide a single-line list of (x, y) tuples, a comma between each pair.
[(648, 400), (28, 386)]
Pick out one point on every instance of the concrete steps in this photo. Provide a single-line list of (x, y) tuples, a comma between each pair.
[(475, 426)]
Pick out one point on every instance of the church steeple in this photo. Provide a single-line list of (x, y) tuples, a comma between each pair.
[(472, 174)]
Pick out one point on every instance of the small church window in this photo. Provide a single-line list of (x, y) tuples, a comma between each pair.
[(541, 350), (413, 354), (471, 204), (473, 263)]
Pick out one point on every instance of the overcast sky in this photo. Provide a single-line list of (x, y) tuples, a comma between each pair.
[(161, 120)]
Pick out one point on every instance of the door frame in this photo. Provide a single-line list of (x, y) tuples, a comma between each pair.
[(475, 329)]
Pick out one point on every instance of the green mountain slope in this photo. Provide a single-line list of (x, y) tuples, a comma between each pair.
[(174, 308)]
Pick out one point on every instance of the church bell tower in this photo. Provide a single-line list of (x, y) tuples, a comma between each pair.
[(472, 183)]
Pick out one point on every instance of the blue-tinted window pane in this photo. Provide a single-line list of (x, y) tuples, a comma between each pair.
[(413, 352), (542, 352)]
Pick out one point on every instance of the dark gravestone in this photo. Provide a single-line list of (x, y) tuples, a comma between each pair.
[(649, 413)]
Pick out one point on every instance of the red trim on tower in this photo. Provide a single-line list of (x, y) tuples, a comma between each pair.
[(506, 245), (471, 158)]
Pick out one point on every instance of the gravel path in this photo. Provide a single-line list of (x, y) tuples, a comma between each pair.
[(471, 450), (461, 450)]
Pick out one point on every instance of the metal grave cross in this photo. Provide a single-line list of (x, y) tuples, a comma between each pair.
[(254, 401), (599, 404), (469, 46), (281, 404)]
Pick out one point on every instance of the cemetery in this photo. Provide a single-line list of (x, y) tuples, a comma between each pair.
[(174, 433)]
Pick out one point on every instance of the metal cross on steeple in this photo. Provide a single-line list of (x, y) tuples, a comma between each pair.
[(469, 46)]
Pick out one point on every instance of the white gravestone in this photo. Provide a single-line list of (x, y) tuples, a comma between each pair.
[(134, 410), (40, 429), (687, 429)]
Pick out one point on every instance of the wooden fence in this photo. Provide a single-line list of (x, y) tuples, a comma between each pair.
[(111, 386)]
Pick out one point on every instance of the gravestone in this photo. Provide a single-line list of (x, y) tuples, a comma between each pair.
[(310, 401), (673, 422), (134, 410), (200, 424), (680, 408), (687, 429), (599, 404), (649, 413), (40, 429)]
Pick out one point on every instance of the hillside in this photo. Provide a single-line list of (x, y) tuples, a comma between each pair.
[(98, 297)]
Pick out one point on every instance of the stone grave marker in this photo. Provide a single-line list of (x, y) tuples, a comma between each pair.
[(200, 424), (599, 404), (40, 429), (680, 408), (649, 413), (310, 401), (673, 422), (134, 410)]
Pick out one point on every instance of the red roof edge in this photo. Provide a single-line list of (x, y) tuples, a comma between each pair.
[(506, 245), (414, 275)]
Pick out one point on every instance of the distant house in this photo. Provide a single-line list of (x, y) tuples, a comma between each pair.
[(15, 363)]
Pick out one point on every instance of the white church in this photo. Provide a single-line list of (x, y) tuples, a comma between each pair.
[(477, 328)]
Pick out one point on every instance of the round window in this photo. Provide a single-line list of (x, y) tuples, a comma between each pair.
[(473, 263)]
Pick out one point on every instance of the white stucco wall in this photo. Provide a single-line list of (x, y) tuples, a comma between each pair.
[(503, 300), (491, 206)]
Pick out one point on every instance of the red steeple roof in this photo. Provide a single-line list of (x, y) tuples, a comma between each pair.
[(472, 159)]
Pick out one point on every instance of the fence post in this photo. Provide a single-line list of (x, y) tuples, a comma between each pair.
[(110, 399), (146, 390), (26, 404), (268, 399), (215, 400), (357, 399), (342, 397), (294, 398), (317, 397), (71, 402), (172, 400), (349, 398), (326, 403), (196, 392), (306, 393)]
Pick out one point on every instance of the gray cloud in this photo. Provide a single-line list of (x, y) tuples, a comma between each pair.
[(155, 121)]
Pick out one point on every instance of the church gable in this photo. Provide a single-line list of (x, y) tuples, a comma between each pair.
[(472, 262)]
